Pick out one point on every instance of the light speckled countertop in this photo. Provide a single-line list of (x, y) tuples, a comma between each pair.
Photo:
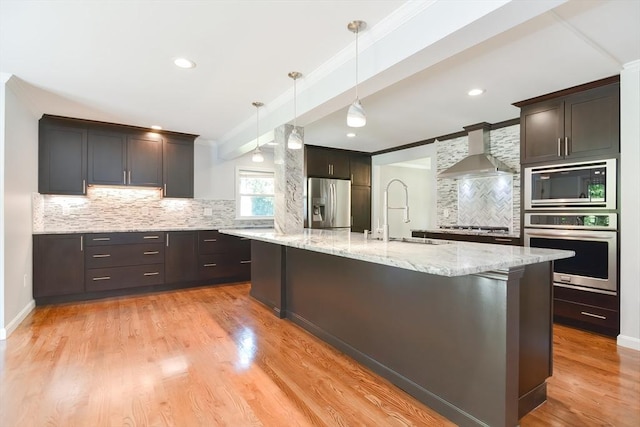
[(446, 258), (135, 229)]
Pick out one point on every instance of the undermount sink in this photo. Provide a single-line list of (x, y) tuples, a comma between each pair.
[(420, 240)]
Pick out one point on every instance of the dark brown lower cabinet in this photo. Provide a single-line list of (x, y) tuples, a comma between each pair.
[(180, 262), (58, 265), (360, 208), (87, 266)]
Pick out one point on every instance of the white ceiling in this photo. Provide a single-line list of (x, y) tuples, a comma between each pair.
[(112, 61)]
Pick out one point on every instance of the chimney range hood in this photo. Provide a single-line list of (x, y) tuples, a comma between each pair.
[(479, 162)]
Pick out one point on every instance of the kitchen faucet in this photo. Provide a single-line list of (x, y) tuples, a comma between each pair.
[(385, 229)]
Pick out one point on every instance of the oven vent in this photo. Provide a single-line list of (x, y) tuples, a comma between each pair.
[(479, 162)]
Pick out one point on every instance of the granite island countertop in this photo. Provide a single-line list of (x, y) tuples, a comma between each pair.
[(439, 257)]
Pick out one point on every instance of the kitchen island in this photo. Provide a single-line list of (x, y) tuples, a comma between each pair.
[(463, 327)]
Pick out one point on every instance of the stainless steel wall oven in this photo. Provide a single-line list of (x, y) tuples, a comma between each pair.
[(593, 237)]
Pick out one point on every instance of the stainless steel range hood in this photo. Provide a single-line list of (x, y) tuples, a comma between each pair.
[(479, 162)]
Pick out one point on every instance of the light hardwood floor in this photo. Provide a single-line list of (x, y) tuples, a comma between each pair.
[(214, 357)]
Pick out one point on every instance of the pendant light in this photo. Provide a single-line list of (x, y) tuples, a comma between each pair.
[(295, 140), (356, 117), (257, 156)]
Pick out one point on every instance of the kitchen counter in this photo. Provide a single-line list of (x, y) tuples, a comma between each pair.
[(439, 257), (469, 232), (134, 229)]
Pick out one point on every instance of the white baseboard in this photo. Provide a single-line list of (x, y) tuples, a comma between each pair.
[(11, 326), (629, 342)]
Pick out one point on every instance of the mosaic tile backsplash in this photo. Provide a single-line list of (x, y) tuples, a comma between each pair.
[(481, 201), (114, 209)]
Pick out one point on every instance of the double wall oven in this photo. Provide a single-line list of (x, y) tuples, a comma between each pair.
[(574, 207)]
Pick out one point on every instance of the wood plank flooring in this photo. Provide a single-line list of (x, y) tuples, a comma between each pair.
[(213, 356)]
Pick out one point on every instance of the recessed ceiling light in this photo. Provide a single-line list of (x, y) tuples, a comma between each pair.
[(156, 127), (475, 92), (184, 63), (351, 135)]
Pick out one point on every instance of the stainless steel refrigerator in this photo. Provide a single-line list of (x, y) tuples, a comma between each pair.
[(328, 203)]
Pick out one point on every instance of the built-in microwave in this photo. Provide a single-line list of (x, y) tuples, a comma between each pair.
[(586, 185)]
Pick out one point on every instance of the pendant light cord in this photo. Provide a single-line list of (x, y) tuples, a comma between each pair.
[(357, 31), (257, 127), (295, 102)]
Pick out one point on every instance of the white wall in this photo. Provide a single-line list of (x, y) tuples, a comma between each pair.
[(20, 171), (420, 182), (630, 206), (214, 178)]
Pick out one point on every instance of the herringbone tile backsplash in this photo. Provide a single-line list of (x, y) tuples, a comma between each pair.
[(491, 201)]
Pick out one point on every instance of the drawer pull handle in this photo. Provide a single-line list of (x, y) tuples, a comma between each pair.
[(151, 237), (102, 256), (498, 239), (151, 252), (210, 265), (597, 316), (245, 262), (155, 273), (101, 278), (101, 239), (210, 240), (244, 238)]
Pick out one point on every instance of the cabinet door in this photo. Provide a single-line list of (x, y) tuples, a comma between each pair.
[(592, 122), (62, 159), (360, 166), (181, 258), (339, 161), (144, 160), (107, 157), (317, 162), (542, 132), (178, 168), (360, 208), (58, 265)]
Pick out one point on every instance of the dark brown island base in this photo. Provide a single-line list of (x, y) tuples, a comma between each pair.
[(476, 347)]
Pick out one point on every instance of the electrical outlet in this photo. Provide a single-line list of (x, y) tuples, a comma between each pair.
[(446, 213), (24, 280), (65, 210), (208, 212)]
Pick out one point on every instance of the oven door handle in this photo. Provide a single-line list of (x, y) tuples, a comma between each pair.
[(587, 236)]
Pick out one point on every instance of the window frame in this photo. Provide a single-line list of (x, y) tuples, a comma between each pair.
[(250, 168)]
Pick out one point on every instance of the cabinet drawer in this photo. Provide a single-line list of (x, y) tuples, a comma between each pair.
[(124, 255), (103, 239), (212, 242), (100, 279), (215, 266), (586, 314)]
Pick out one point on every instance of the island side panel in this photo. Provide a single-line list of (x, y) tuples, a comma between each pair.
[(267, 275), (536, 335), (450, 341)]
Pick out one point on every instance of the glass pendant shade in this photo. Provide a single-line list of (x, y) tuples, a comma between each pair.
[(295, 140), (356, 118)]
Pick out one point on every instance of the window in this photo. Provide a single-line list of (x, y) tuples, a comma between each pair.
[(255, 190)]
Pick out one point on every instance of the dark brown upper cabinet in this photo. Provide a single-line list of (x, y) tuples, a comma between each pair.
[(327, 163), (585, 124), (360, 166), (117, 158), (62, 158), (74, 153), (178, 167)]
